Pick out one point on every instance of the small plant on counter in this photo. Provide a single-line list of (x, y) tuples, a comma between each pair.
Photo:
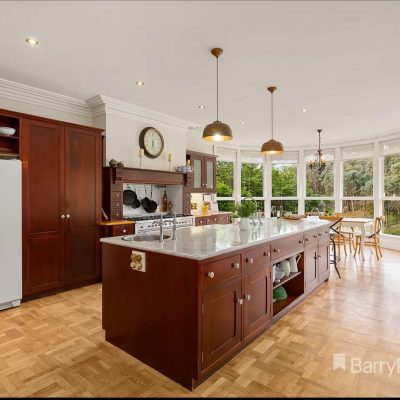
[(245, 209)]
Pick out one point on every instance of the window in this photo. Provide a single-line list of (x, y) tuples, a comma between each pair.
[(320, 183), (316, 205), (391, 187), (391, 210), (252, 172), (225, 174), (226, 205), (284, 175), (287, 205), (358, 208)]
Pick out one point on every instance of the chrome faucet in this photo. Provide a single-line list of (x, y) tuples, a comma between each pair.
[(161, 229), (174, 227)]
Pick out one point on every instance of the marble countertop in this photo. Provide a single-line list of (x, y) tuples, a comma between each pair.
[(202, 242)]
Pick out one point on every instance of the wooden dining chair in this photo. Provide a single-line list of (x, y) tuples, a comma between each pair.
[(347, 235), (334, 227), (372, 239)]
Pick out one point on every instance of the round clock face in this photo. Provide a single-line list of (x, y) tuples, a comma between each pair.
[(152, 142)]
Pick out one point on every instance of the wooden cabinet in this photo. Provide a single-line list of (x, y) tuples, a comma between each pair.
[(61, 204), (310, 269), (213, 219), (323, 262), (204, 172), (221, 322), (257, 296)]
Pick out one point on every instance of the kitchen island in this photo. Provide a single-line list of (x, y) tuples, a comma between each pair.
[(186, 306)]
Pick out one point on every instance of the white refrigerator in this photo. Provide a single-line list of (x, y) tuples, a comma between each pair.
[(10, 234)]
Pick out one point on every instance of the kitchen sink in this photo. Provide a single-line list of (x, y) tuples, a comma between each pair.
[(144, 238)]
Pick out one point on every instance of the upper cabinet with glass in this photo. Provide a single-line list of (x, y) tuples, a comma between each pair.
[(204, 172)]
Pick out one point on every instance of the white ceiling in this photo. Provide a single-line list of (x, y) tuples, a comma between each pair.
[(340, 60)]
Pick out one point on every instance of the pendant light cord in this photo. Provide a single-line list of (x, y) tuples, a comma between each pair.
[(217, 89), (272, 115)]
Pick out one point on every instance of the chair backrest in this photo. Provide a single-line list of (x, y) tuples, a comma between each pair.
[(378, 225), (336, 226)]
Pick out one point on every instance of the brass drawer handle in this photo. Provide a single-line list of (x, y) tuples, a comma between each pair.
[(307, 239), (211, 275), (277, 251), (240, 301), (267, 254), (235, 265), (248, 297)]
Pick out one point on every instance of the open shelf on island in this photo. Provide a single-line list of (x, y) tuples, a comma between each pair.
[(286, 279), (279, 305)]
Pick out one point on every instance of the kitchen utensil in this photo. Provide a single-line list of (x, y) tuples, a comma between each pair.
[(129, 196), (293, 263), (5, 130), (279, 293), (145, 201), (285, 267), (152, 205), (278, 275), (136, 203)]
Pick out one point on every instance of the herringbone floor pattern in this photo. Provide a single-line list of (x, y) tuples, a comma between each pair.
[(55, 346)]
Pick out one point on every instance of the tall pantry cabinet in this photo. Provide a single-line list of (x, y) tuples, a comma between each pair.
[(61, 205)]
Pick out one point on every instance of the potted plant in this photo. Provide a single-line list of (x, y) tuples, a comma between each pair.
[(245, 210)]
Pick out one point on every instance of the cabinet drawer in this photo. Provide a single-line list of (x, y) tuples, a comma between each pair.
[(257, 257), (116, 205), (119, 230), (218, 271), (212, 220), (285, 247), (116, 196), (116, 214), (310, 238), (323, 235), (224, 219), (200, 221)]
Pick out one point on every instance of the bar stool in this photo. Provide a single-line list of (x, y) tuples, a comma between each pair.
[(335, 228)]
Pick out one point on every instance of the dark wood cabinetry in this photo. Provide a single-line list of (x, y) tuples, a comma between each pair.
[(310, 268), (224, 218), (203, 179), (222, 321), (61, 204)]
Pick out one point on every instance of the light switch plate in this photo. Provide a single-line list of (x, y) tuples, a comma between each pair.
[(138, 261)]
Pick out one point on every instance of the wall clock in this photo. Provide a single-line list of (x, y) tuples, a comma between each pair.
[(152, 142)]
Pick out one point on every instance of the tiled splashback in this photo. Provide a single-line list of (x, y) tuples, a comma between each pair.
[(174, 194)]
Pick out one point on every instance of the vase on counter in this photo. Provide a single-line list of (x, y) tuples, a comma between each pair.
[(244, 224)]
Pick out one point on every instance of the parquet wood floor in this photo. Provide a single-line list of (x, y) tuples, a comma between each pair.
[(55, 346)]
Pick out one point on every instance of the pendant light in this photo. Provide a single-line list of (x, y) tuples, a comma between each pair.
[(272, 146), (318, 163), (217, 131)]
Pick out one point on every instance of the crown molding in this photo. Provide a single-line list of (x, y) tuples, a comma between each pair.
[(106, 105), (27, 94)]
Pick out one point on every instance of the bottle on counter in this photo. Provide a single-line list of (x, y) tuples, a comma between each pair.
[(165, 202)]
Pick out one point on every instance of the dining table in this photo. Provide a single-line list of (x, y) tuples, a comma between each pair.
[(361, 225)]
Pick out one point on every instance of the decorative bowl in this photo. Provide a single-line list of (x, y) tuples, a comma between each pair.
[(278, 275), (5, 130)]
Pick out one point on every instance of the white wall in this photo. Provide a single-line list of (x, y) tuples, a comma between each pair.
[(122, 143), (43, 111), (197, 144)]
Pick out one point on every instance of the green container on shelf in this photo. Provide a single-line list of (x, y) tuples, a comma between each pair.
[(279, 293)]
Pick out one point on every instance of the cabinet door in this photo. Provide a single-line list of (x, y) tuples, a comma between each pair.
[(323, 262), (43, 205), (209, 173), (222, 320), (310, 266), (82, 188), (198, 179), (257, 294)]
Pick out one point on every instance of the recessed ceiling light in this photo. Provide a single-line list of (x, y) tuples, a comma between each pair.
[(202, 107), (303, 110), (242, 123), (31, 41), (140, 83)]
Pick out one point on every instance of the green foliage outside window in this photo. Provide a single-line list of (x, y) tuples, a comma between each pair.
[(225, 174), (392, 175), (252, 180), (284, 180), (392, 214), (320, 184), (358, 177)]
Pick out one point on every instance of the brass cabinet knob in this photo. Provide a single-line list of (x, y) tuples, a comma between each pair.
[(248, 297), (63, 216), (307, 239), (240, 301), (319, 234), (211, 274), (235, 265), (277, 251), (123, 230), (249, 260)]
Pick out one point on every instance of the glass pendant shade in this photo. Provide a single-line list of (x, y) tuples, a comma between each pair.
[(272, 146), (217, 131)]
